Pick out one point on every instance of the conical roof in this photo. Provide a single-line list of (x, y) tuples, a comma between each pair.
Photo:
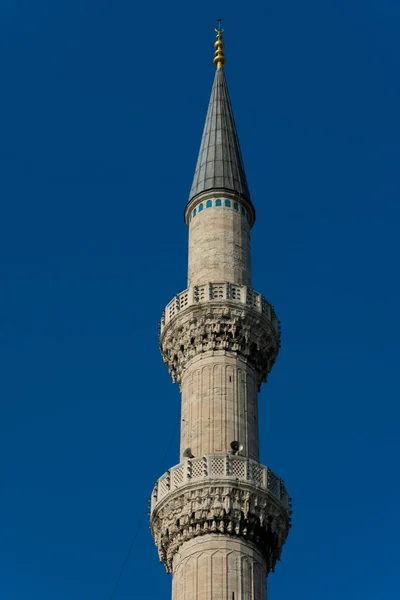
[(220, 164)]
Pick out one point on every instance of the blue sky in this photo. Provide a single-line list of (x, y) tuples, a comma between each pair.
[(101, 113)]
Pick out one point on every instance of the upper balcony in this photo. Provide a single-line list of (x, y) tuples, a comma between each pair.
[(217, 292)]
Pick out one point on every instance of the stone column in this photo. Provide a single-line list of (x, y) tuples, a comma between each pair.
[(219, 405), (218, 568)]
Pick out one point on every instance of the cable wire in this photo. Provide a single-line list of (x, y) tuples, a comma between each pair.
[(140, 523)]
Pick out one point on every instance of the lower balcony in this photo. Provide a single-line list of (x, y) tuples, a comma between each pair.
[(220, 466)]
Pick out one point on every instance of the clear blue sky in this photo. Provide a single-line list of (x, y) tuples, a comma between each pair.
[(101, 112)]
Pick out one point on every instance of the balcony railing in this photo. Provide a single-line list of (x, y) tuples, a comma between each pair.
[(220, 466), (214, 292)]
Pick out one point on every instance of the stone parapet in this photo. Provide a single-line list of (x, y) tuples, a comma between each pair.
[(216, 292), (223, 317), (251, 504), (223, 466)]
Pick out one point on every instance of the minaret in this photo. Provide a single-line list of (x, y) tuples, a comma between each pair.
[(219, 518)]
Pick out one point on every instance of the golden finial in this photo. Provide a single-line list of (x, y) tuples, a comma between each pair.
[(219, 59)]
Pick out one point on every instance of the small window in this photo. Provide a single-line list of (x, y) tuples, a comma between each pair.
[(228, 203), (190, 218), (201, 206), (194, 212), (209, 204), (218, 202), (243, 211), (236, 206)]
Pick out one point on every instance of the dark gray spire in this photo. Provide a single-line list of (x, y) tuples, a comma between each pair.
[(220, 163)]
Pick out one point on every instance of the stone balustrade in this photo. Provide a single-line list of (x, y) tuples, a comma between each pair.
[(214, 292), (220, 466)]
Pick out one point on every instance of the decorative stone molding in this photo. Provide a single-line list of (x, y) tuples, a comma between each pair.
[(219, 326), (224, 508)]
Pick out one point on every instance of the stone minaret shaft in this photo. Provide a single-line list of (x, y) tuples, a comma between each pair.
[(219, 517)]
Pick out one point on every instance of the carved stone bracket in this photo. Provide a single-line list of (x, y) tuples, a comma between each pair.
[(224, 509), (215, 327)]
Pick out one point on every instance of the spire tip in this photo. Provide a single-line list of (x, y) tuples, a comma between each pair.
[(219, 60)]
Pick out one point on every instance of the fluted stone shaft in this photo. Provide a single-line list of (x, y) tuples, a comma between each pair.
[(219, 405), (219, 568)]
